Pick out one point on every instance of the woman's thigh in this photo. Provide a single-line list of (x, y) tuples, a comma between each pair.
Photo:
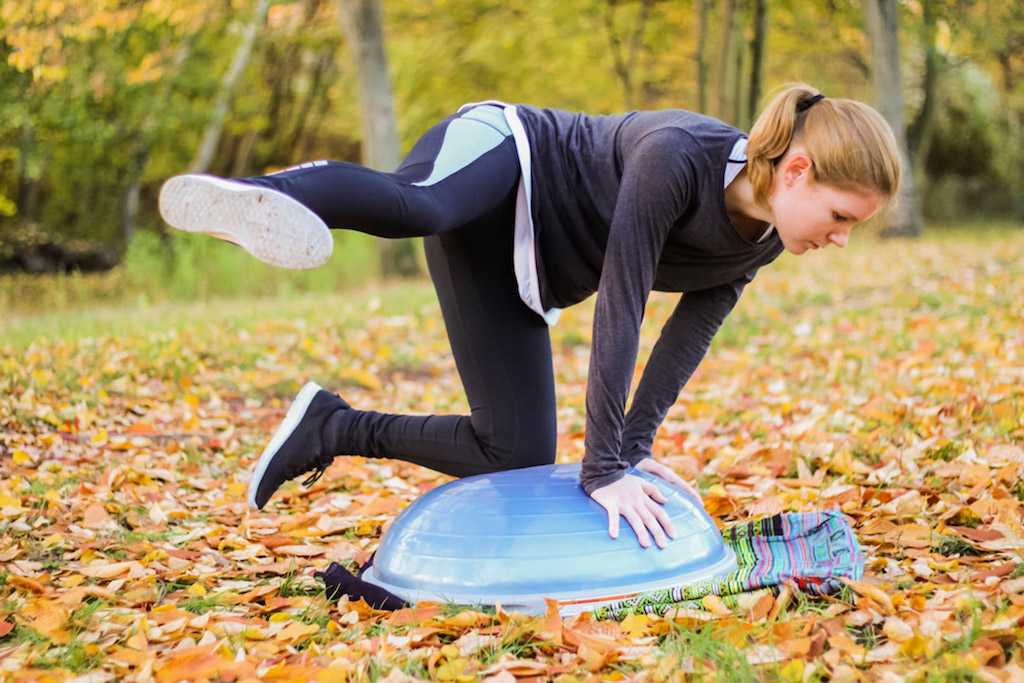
[(502, 349), (459, 170)]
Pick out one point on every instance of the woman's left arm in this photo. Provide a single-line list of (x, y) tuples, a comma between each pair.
[(683, 343)]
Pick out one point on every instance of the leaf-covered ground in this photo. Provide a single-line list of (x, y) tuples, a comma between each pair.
[(886, 379)]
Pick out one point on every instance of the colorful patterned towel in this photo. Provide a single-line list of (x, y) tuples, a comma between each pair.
[(812, 549)]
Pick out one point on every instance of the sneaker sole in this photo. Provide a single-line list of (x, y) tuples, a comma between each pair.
[(268, 224), (295, 413)]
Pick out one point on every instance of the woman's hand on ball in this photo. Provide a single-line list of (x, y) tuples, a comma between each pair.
[(640, 502)]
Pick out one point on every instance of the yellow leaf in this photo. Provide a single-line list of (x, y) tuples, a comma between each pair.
[(714, 604), (296, 631), (876, 594), (636, 625), (20, 457), (792, 671)]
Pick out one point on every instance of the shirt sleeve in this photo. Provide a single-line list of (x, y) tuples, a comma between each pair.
[(683, 342), (658, 184)]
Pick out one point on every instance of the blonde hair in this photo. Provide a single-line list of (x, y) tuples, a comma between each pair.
[(851, 144)]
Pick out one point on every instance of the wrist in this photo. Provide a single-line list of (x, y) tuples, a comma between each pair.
[(635, 455)]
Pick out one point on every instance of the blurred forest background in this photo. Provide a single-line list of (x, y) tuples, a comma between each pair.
[(102, 100)]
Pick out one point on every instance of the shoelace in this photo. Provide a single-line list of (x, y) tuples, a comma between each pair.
[(320, 467)]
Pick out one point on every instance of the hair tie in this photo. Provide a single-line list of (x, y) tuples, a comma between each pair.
[(808, 103)]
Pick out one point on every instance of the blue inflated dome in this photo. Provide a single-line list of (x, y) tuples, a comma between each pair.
[(519, 536)]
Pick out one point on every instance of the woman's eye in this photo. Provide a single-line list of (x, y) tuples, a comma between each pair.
[(838, 218)]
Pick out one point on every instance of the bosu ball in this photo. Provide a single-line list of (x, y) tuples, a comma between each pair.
[(516, 537)]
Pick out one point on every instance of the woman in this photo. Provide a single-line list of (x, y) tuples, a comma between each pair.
[(524, 211)]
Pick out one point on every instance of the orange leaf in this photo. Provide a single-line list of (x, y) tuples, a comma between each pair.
[(551, 627), (594, 659), (781, 602), (424, 611), (301, 550), (142, 428), (714, 604), (25, 582), (876, 594), (95, 517), (191, 664), (600, 636), (49, 618), (844, 643), (762, 608), (798, 647)]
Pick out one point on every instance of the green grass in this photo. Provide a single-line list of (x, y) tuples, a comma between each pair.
[(18, 332), (200, 605), (72, 656), (953, 545), (204, 280), (195, 267), (706, 646)]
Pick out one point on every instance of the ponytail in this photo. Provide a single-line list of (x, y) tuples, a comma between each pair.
[(851, 145)]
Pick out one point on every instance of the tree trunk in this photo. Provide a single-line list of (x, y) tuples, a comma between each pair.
[(28, 186), (1014, 122), (882, 21), (363, 29), (624, 61), (140, 155), (240, 164), (736, 73), (725, 59), (757, 59), (700, 57), (211, 136)]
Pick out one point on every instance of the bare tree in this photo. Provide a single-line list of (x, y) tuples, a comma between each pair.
[(624, 59), (919, 131), (882, 21), (729, 53), (211, 136), (757, 59), (363, 28), (700, 56)]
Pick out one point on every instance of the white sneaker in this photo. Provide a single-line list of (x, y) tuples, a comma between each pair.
[(267, 223)]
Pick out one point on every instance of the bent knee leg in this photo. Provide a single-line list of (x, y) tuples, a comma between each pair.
[(509, 449)]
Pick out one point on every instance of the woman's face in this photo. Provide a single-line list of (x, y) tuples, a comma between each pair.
[(811, 215)]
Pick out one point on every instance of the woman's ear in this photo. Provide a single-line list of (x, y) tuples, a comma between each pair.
[(795, 165)]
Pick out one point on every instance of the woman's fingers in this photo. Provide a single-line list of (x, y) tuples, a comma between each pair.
[(693, 490), (633, 517), (654, 492), (654, 525), (664, 521), (641, 502), (613, 521), (668, 474)]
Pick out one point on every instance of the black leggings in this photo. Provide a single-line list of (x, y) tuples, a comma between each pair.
[(502, 348)]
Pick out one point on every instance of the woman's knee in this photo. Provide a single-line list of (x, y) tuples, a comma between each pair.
[(525, 448)]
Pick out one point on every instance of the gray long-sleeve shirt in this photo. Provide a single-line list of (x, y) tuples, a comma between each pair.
[(621, 205)]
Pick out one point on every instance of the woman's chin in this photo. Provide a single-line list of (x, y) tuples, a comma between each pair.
[(796, 249)]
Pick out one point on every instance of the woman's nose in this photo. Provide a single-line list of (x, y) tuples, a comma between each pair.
[(839, 238)]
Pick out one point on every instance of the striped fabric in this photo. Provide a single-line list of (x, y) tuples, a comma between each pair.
[(811, 549)]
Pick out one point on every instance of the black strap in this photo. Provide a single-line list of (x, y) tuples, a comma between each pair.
[(808, 103)]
